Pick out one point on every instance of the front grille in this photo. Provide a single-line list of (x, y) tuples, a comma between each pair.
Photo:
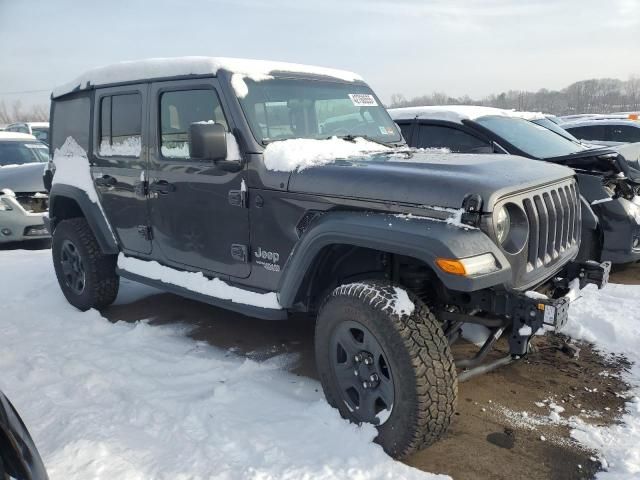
[(554, 218)]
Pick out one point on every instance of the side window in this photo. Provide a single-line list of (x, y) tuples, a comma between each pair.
[(71, 118), (624, 133), (591, 132), (436, 136), (180, 109), (121, 125)]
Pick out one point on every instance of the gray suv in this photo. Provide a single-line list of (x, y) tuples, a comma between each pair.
[(270, 188)]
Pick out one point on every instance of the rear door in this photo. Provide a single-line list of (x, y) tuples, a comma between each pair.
[(119, 162), (197, 210)]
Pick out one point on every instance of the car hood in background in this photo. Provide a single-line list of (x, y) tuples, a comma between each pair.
[(23, 178)]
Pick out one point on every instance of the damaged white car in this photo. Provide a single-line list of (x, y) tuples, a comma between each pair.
[(23, 198)]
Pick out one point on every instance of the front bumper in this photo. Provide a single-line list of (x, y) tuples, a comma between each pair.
[(531, 311), (17, 224)]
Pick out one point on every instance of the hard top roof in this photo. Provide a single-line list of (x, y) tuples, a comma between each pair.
[(156, 68)]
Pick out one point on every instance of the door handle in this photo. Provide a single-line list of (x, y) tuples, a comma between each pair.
[(162, 187), (106, 181)]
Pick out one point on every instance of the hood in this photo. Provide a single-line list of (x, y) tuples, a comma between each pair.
[(417, 178), (605, 160), (23, 178)]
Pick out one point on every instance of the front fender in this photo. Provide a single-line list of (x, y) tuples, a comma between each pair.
[(60, 194), (418, 237)]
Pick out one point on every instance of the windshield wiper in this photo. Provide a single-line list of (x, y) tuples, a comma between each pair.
[(352, 138)]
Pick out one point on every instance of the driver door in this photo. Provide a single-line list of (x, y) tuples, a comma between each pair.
[(197, 212)]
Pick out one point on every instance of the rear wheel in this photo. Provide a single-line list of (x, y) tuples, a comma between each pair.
[(86, 276), (382, 362)]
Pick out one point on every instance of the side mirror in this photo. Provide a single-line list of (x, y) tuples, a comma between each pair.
[(207, 141)]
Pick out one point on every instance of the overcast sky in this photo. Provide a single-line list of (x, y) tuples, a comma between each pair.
[(412, 47)]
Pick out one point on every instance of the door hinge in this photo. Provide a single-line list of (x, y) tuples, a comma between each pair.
[(142, 188), (145, 232), (239, 252), (238, 198)]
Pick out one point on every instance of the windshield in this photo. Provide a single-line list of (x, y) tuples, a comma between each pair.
[(555, 128), (534, 140), (41, 134), (281, 109), (17, 153)]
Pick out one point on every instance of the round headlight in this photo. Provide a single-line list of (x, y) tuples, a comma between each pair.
[(503, 225)]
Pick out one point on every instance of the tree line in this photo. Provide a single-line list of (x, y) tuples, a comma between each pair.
[(16, 112), (598, 95)]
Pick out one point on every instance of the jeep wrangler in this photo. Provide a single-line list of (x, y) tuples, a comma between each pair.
[(270, 188)]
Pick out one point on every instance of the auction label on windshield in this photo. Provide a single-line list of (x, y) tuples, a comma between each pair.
[(363, 100)]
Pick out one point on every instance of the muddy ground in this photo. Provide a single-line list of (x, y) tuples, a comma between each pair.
[(502, 429)]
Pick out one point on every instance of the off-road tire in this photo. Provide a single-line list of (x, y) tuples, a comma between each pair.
[(101, 280), (424, 373)]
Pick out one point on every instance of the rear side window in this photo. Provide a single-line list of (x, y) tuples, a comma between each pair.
[(590, 132), (121, 125), (624, 133), (71, 118), (178, 110), (436, 136)]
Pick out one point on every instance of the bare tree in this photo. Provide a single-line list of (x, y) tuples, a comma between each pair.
[(16, 112), (603, 95)]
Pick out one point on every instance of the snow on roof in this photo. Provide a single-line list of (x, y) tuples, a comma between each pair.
[(587, 122), (457, 113), (181, 66), (16, 136)]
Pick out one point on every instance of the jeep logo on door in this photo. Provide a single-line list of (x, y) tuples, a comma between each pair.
[(271, 256)]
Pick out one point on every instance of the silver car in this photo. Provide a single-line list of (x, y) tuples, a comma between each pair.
[(23, 198)]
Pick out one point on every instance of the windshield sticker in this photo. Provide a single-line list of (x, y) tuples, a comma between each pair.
[(363, 100), (386, 130)]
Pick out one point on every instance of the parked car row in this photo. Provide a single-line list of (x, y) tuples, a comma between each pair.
[(271, 188)]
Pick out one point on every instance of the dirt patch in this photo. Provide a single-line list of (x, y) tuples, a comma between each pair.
[(514, 423)]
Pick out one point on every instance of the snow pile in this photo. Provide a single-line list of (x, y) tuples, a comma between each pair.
[(458, 113), (300, 153), (197, 282), (240, 86), (610, 318), (127, 147), (402, 304), (135, 401), (183, 66), (72, 168)]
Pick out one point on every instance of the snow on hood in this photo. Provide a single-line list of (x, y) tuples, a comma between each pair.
[(300, 153), (457, 113), (179, 66)]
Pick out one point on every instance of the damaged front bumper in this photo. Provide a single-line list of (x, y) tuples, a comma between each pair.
[(530, 311), (17, 223), (522, 313)]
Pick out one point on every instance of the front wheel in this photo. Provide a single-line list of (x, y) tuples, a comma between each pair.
[(383, 359), (86, 276)]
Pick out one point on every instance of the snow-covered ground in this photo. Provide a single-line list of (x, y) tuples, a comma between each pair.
[(134, 401), (610, 318)]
